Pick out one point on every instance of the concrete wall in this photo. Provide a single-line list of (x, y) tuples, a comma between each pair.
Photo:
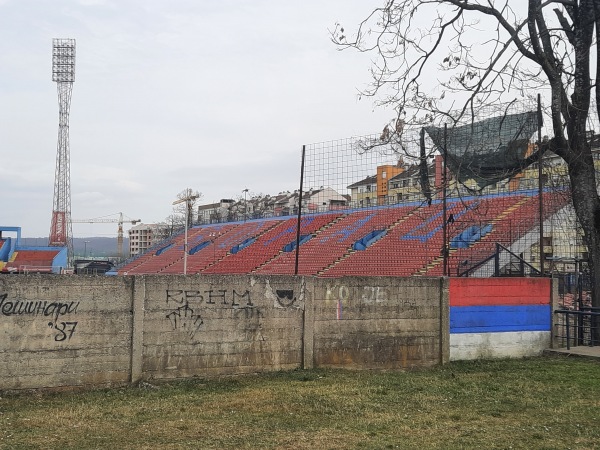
[(213, 325), (380, 323), (64, 331), (499, 317), (70, 331)]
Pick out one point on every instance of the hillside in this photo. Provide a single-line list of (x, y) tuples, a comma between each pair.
[(101, 247)]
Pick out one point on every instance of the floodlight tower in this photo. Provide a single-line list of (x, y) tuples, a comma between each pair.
[(63, 73)]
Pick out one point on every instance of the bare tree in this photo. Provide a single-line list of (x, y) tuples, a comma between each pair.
[(173, 223), (434, 56)]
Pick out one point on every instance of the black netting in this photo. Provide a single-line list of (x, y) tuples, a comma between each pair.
[(489, 150)]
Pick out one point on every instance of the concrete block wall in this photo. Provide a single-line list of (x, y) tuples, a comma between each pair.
[(68, 331), (380, 322), (60, 331), (499, 317), (215, 325)]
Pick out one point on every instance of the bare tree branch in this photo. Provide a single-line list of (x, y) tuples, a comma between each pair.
[(432, 55)]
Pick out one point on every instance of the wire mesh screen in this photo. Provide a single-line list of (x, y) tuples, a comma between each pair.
[(468, 197), (390, 207)]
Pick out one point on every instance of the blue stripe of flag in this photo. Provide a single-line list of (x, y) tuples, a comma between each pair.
[(488, 319)]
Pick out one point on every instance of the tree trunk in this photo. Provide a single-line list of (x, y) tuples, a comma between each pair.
[(587, 208)]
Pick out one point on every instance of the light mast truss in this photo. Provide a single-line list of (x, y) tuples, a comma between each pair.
[(63, 73)]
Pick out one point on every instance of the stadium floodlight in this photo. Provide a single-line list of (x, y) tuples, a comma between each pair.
[(63, 60), (63, 73)]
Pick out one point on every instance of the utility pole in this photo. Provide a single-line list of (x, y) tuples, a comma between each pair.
[(245, 191), (187, 199)]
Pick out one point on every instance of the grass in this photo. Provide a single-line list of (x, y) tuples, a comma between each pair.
[(539, 403)]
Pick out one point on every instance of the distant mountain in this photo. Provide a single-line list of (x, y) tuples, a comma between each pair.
[(89, 247)]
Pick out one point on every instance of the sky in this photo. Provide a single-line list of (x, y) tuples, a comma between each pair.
[(216, 96)]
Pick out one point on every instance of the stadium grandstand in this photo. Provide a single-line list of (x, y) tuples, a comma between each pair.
[(16, 258), (468, 200), (393, 240), (460, 201)]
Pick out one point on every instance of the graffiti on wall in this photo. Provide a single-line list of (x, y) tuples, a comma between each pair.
[(252, 323), (284, 298), (186, 306), (64, 330), (55, 311), (341, 295), (338, 294), (210, 297), (184, 317)]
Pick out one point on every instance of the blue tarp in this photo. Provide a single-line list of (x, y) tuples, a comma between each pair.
[(162, 250), (199, 247), (469, 236), (292, 245), (242, 245), (369, 239)]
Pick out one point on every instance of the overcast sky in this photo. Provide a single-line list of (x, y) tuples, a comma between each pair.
[(214, 95)]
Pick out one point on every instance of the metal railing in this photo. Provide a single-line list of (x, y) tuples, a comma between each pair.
[(29, 268), (578, 328), (524, 267)]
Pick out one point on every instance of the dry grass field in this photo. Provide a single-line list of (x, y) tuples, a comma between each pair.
[(538, 403)]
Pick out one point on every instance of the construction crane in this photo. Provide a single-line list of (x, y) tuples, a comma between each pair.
[(119, 221)]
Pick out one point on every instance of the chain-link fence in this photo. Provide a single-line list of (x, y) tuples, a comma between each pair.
[(465, 199), (468, 197)]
